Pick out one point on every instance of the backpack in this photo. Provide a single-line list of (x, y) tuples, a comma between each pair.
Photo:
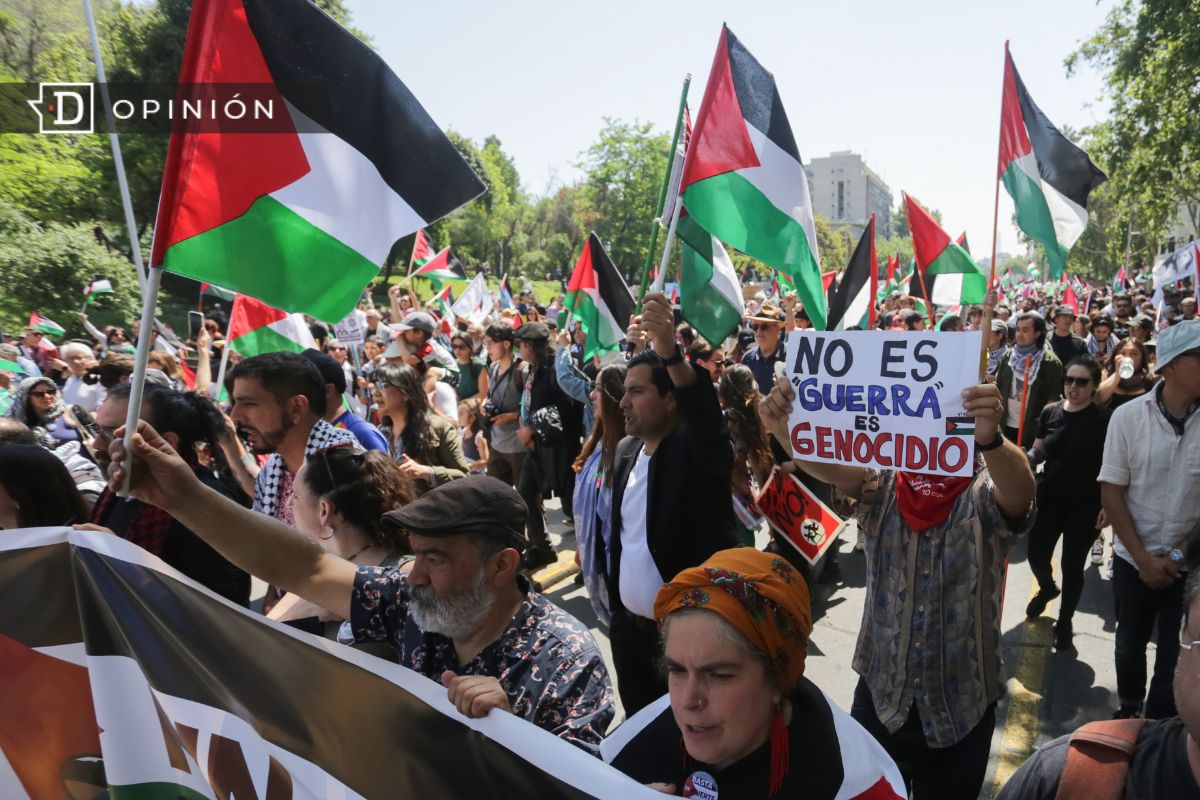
[(1098, 757)]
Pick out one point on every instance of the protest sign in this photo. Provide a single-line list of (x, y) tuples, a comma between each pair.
[(885, 399), (352, 329), (798, 516)]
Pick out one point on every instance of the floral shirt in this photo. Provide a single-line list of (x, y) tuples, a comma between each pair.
[(546, 660), (930, 633)]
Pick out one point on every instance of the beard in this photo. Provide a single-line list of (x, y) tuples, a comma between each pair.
[(266, 442), (456, 615)]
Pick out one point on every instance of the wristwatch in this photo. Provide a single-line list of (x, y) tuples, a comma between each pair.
[(993, 444), (675, 359), (1176, 555)]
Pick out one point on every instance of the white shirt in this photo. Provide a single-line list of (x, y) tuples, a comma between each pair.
[(77, 393), (1161, 469), (639, 577), (445, 400)]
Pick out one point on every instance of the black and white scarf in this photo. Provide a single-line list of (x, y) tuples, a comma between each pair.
[(1016, 361), (266, 487)]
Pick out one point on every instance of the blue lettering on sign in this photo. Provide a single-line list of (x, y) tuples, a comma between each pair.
[(884, 401)]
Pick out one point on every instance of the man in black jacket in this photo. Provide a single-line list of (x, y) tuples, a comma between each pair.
[(671, 506)]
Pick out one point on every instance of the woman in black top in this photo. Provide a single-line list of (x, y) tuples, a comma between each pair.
[(1070, 443), (1115, 391)]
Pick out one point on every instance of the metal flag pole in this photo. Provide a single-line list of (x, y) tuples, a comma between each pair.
[(118, 162), (662, 193), (989, 305)]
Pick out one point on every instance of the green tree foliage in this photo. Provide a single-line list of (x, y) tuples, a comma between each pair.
[(1149, 54), (44, 267)]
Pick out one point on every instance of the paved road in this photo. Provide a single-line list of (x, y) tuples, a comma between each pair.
[(1049, 693)]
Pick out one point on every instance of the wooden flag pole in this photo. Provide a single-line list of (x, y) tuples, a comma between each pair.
[(928, 300), (651, 249), (989, 302)]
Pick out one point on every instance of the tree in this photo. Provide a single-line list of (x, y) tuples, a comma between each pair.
[(833, 245), (1149, 54), (44, 268), (623, 175)]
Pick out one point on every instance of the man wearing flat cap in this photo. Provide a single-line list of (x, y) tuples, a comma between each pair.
[(464, 615)]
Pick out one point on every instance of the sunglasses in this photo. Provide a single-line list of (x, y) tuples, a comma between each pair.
[(461, 346), (755, 326), (1080, 382), (44, 393)]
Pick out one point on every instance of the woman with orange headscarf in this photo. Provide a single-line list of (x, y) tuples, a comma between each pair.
[(740, 719)]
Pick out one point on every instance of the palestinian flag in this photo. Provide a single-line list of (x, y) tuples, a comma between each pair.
[(1048, 177), (422, 249), (208, 290), (850, 306), (504, 296), (743, 181), (1121, 280), (710, 295), (960, 426), (891, 284), (95, 287), (599, 299), (1069, 299), (256, 328), (301, 219), (961, 241), (950, 276), (11, 366), (46, 326), (442, 267), (444, 300)]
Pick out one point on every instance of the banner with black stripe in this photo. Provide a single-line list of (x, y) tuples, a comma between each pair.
[(119, 674)]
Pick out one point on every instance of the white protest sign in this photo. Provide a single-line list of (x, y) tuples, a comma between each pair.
[(351, 330), (885, 399)]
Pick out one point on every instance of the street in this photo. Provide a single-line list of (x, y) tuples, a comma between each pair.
[(1049, 693)]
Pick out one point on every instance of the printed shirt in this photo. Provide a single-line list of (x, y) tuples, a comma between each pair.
[(930, 633), (546, 660)]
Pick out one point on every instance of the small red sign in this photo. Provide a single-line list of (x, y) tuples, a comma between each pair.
[(798, 516)]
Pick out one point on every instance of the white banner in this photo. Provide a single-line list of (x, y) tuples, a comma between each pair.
[(885, 399), (1176, 267), (476, 302), (352, 329)]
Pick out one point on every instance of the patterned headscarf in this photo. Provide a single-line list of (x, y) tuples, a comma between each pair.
[(39, 426), (761, 595)]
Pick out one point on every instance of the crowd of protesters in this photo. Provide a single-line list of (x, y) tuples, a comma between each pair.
[(392, 494)]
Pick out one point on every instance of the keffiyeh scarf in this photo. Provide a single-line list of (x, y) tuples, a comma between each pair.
[(266, 488), (1107, 346), (1017, 362)]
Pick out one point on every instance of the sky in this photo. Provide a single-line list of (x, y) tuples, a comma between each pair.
[(913, 87)]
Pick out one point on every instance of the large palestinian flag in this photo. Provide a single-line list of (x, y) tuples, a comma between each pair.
[(1048, 177), (300, 218), (256, 328), (710, 295), (743, 181), (130, 681), (951, 278), (599, 299)]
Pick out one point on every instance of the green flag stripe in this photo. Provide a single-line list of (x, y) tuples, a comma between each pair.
[(264, 340), (702, 304), (736, 212), (302, 268), (1033, 215)]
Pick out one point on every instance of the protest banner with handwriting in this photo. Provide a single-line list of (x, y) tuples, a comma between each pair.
[(885, 399), (798, 515)]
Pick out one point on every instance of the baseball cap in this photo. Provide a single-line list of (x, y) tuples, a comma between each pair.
[(331, 371), (1142, 321), (1178, 339), (999, 326), (478, 504), (417, 321)]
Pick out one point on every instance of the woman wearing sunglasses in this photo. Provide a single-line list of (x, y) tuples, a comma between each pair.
[(37, 404), (1070, 445)]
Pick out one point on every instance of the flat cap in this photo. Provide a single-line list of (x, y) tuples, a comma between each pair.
[(477, 504), (1067, 310), (532, 332)]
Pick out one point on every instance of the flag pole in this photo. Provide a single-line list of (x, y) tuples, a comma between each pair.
[(225, 351), (989, 305), (661, 277), (137, 381), (874, 298), (662, 193), (928, 300), (118, 161)]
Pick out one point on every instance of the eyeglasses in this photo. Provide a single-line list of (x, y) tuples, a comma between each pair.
[(1080, 382), (756, 327), (44, 393), (461, 346), (341, 349)]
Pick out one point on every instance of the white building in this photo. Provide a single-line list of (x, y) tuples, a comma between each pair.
[(846, 192)]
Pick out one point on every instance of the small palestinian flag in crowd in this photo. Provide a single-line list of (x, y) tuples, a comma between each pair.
[(300, 218), (444, 300), (45, 325), (442, 267), (208, 290), (256, 328), (743, 180), (422, 249), (950, 276), (95, 287), (1047, 175), (599, 299), (850, 305)]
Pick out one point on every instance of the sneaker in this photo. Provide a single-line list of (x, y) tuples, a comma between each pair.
[(1098, 552), (1127, 712), (1040, 600), (539, 557), (1063, 634)]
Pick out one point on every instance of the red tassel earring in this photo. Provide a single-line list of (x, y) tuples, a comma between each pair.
[(780, 752)]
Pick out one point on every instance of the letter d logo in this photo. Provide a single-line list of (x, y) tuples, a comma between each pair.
[(65, 108)]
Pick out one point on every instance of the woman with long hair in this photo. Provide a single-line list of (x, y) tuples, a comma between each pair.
[(593, 485), (425, 444), (752, 459), (1070, 444), (36, 489), (38, 404), (1116, 390), (341, 494)]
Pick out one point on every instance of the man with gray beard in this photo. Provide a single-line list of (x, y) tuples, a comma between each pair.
[(464, 615)]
